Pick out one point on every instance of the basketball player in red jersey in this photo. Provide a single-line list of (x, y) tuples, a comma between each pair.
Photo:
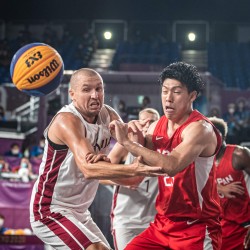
[(232, 168), (184, 143), (67, 184)]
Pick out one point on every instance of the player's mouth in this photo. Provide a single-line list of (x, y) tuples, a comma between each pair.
[(169, 109), (94, 105)]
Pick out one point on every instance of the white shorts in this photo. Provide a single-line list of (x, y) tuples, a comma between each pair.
[(122, 236), (64, 231)]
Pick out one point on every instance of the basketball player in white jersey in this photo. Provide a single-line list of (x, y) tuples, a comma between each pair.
[(133, 208), (67, 184)]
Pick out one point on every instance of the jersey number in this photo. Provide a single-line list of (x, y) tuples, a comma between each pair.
[(147, 185)]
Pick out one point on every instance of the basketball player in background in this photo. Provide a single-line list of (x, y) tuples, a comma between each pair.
[(133, 208), (184, 143), (67, 184), (233, 178)]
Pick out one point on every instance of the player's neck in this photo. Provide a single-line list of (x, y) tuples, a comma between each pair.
[(221, 152)]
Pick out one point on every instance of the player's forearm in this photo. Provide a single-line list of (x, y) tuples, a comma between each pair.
[(107, 182), (153, 158), (130, 181), (103, 170)]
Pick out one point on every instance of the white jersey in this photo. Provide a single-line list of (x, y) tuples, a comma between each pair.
[(134, 208), (61, 184)]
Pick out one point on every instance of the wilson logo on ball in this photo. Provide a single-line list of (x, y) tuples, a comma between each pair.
[(36, 69), (46, 72)]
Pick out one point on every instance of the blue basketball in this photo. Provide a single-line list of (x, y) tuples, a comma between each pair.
[(36, 69)]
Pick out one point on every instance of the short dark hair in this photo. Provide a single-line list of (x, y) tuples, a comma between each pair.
[(220, 124), (185, 73)]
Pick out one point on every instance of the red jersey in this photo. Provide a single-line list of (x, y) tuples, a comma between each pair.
[(236, 209), (191, 193)]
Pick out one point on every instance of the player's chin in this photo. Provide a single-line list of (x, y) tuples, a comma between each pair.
[(94, 112)]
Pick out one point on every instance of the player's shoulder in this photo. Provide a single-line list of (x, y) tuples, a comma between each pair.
[(108, 108), (241, 157), (202, 127), (112, 113), (65, 119), (201, 133), (240, 151)]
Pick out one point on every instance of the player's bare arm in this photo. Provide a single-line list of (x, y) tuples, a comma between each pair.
[(241, 159), (67, 129), (117, 155), (198, 139)]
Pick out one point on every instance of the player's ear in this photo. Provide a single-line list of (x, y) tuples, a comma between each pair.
[(193, 95), (71, 94)]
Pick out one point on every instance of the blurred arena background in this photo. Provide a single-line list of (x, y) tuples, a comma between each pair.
[(128, 43)]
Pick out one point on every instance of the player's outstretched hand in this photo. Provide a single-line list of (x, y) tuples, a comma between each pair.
[(137, 130), (119, 131), (144, 170), (134, 130), (138, 125)]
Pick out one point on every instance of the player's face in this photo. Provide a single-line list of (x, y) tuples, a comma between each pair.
[(144, 116), (176, 101), (88, 96)]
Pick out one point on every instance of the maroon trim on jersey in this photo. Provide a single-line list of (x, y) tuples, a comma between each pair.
[(112, 214), (47, 181), (117, 188), (67, 231), (114, 239)]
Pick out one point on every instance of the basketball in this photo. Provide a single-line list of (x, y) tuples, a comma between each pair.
[(36, 69)]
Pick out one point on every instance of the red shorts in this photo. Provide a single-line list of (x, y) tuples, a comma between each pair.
[(165, 234), (232, 236)]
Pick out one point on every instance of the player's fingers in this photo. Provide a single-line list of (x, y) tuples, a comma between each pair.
[(132, 128), (136, 125), (155, 171), (237, 182), (100, 157), (238, 190), (144, 122), (106, 159), (96, 158), (89, 157)]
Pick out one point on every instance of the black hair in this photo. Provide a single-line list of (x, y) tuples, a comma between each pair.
[(185, 73)]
